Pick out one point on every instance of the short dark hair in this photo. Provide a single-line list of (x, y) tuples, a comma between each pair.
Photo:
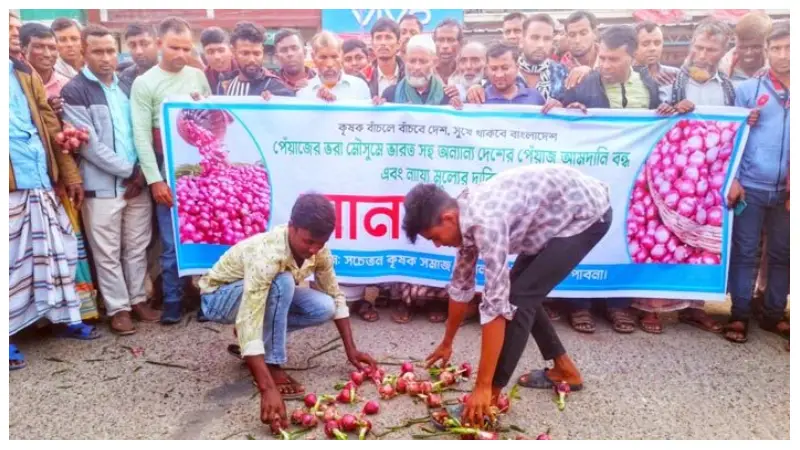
[(64, 23), (315, 213), (285, 33), (354, 44), (385, 24), (34, 30), (138, 29), (541, 18), (616, 36), (450, 23), (514, 16), (424, 205), (579, 15), (780, 30), (647, 26), (173, 25), (213, 35), (499, 49), (247, 31), (411, 17), (94, 30)]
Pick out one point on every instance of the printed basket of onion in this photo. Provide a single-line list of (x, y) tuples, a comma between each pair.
[(706, 237)]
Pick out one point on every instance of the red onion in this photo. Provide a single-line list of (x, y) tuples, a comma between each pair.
[(346, 396), (543, 437), (407, 367), (426, 387), (309, 421), (348, 423), (413, 388), (310, 400), (357, 377), (297, 416), (446, 378), (434, 401), (401, 386), (364, 427), (503, 403), (386, 391), (372, 407), (408, 376), (330, 414)]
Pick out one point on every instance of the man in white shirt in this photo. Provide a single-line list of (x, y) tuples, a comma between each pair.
[(331, 83)]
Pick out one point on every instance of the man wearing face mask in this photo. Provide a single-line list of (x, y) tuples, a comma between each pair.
[(289, 51), (251, 77), (748, 58), (448, 37), (331, 83), (700, 81), (388, 67), (141, 42)]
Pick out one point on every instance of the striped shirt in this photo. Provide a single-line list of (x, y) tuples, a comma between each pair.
[(519, 211), (238, 87)]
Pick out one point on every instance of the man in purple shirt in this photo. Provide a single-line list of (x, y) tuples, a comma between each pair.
[(550, 216), (503, 74)]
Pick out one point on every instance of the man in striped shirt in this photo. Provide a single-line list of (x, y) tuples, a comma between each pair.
[(251, 77)]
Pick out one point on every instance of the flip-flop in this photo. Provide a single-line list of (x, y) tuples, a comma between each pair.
[(16, 356), (537, 379), (235, 350), (689, 320), (582, 317), (652, 325), (396, 315), (291, 382), (364, 309), (80, 331)]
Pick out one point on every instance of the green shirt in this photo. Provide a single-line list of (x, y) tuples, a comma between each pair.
[(148, 92), (635, 91)]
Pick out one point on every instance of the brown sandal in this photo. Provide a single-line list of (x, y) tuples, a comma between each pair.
[(622, 321), (436, 314), (402, 314), (651, 323), (582, 321), (736, 331), (699, 319), (367, 311)]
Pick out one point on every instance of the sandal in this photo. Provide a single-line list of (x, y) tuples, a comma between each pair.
[(80, 331), (736, 331), (622, 321), (774, 326), (402, 314), (651, 323), (582, 321), (552, 312), (537, 379), (235, 350), (367, 311), (699, 319), (436, 314), (16, 360), (289, 388)]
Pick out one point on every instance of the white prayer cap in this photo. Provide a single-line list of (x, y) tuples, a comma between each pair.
[(421, 42)]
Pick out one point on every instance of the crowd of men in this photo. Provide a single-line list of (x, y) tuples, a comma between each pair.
[(87, 180)]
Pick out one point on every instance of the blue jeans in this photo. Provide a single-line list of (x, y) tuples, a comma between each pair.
[(170, 281), (289, 308), (764, 209)]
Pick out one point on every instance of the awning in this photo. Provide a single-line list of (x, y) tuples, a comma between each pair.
[(731, 15), (660, 16)]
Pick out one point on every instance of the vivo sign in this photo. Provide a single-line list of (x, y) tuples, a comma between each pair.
[(359, 20)]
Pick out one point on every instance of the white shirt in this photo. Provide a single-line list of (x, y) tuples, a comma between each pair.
[(348, 88), (385, 81), (709, 93)]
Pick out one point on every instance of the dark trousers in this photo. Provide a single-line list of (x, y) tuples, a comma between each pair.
[(765, 211), (532, 278)]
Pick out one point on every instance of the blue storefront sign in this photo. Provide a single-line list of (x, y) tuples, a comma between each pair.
[(361, 20)]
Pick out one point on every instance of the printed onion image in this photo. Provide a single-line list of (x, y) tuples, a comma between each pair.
[(219, 202), (675, 212)]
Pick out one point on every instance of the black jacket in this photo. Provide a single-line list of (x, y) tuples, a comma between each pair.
[(590, 91), (267, 82)]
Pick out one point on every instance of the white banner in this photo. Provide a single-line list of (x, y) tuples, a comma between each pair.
[(238, 165)]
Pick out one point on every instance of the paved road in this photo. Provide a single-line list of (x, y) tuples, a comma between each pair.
[(684, 384)]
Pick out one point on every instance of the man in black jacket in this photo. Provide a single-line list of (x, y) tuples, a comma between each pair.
[(614, 84), (251, 77), (388, 68)]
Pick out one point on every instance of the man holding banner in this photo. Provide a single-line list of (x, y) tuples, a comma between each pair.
[(254, 285), (551, 216)]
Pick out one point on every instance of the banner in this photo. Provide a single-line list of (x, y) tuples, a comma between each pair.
[(361, 20), (238, 165)]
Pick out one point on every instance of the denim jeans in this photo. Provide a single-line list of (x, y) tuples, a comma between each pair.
[(765, 210), (171, 282), (289, 308)]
